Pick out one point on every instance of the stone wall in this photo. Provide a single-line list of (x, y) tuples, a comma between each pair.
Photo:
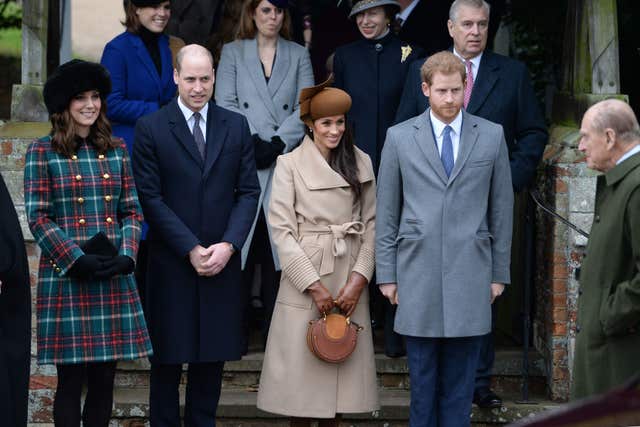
[(568, 187)]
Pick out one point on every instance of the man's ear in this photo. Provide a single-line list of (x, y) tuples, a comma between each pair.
[(176, 76), (611, 137), (426, 90)]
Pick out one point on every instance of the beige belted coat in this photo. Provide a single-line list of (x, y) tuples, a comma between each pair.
[(320, 234)]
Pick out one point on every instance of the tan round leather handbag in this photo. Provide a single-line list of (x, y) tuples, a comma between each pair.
[(332, 337)]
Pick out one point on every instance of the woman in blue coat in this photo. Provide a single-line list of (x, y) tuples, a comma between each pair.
[(140, 64), (260, 76), (373, 70)]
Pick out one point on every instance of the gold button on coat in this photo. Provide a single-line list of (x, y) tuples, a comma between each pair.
[(101, 156), (80, 200), (78, 177), (105, 176), (74, 157), (109, 220), (107, 198), (81, 221), (58, 270)]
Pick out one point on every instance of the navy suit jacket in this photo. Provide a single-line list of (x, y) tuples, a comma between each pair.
[(137, 88), (502, 93), (189, 201)]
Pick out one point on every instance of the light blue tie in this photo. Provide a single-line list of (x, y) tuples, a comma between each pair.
[(447, 150)]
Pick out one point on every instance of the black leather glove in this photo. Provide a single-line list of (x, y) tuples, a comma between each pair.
[(267, 152), (120, 264), (87, 265)]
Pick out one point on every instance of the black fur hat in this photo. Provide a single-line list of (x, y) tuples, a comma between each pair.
[(146, 3), (72, 78)]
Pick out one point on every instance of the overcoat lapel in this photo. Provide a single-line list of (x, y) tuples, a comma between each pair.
[(180, 131), (216, 136), (165, 57), (423, 137), (484, 83), (145, 58), (254, 68), (280, 68), (468, 138)]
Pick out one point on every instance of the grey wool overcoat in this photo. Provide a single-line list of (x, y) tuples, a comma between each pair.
[(320, 234), (444, 240), (270, 108)]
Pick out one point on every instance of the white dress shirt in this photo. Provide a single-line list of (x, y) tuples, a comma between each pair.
[(188, 116), (475, 63), (438, 131), (628, 154)]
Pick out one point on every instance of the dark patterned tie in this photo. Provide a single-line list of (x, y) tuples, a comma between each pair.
[(447, 150), (197, 134)]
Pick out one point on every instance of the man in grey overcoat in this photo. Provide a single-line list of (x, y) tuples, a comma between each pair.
[(443, 240)]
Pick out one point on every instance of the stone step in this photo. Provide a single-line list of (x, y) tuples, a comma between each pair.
[(392, 372), (238, 408)]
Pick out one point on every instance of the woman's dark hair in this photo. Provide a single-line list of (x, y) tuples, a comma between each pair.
[(342, 159), (63, 133), (247, 28), (131, 20)]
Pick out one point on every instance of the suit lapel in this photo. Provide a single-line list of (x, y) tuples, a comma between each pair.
[(484, 82), (254, 67), (180, 131), (468, 138), (145, 58), (280, 68), (216, 136), (423, 137)]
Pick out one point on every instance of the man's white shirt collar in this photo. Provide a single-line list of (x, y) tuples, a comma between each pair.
[(438, 130), (628, 154), (407, 11), (188, 114), (475, 62)]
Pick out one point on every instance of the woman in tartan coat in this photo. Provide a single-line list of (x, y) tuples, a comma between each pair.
[(78, 182)]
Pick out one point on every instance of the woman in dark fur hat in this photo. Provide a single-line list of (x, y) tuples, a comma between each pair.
[(83, 210)]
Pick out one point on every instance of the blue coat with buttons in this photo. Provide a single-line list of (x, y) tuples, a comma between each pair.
[(271, 108), (137, 89), (373, 73)]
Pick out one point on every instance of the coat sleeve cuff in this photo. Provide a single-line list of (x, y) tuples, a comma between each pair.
[(501, 276), (365, 263), (301, 272)]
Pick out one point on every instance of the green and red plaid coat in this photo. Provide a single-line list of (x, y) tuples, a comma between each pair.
[(69, 200)]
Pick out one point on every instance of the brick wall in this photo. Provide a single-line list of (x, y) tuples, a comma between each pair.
[(568, 187)]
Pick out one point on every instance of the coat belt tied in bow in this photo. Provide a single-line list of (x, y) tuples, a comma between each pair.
[(335, 245)]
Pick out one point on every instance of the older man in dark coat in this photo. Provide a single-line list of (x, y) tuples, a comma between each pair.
[(608, 324), (15, 317), (196, 176)]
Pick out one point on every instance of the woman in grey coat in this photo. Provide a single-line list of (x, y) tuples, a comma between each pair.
[(260, 75)]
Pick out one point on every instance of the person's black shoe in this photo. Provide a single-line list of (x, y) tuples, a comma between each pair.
[(486, 398), (395, 354)]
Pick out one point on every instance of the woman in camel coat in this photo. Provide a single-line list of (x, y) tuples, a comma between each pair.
[(322, 216)]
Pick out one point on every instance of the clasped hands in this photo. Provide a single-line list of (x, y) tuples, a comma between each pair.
[(347, 298), (101, 267), (211, 260)]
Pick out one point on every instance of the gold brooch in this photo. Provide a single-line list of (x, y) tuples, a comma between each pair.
[(406, 51)]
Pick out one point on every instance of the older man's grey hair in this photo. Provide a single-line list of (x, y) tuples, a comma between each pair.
[(478, 4), (192, 49), (618, 116)]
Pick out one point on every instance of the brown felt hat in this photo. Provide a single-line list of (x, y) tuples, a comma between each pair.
[(323, 101)]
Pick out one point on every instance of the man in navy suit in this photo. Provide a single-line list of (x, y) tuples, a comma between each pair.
[(502, 93), (196, 178)]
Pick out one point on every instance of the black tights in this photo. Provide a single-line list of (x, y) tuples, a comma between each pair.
[(99, 399)]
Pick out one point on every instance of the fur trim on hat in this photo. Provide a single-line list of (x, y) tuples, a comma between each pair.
[(72, 78)]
